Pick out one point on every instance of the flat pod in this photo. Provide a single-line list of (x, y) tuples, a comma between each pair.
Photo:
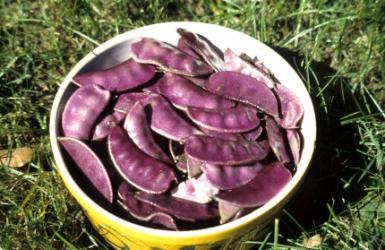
[(236, 120), (227, 211), (143, 211), (121, 77), (276, 140), (127, 100), (185, 48), (166, 122), (82, 110), (256, 63), (182, 93), (138, 128), (223, 152), (104, 127), (221, 135), (203, 47), (89, 163), (254, 134), (193, 167), (266, 184), (180, 208), (243, 88), (236, 63), (294, 140), (229, 177), (136, 167), (197, 190), (291, 107), (198, 81), (168, 58)]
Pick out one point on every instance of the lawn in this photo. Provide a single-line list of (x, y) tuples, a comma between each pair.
[(337, 47)]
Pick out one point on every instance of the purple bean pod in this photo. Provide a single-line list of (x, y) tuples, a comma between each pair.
[(236, 63), (82, 110), (139, 131), (266, 184), (222, 152), (166, 122), (203, 47), (168, 58), (143, 211), (182, 94), (90, 164), (239, 87), (236, 120), (137, 168), (122, 77)]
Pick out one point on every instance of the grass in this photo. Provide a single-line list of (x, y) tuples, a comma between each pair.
[(336, 46)]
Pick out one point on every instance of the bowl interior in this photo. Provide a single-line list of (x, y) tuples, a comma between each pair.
[(116, 50)]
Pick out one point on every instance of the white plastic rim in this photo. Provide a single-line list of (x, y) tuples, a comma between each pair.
[(223, 38)]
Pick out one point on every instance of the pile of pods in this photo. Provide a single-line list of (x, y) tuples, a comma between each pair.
[(195, 134)]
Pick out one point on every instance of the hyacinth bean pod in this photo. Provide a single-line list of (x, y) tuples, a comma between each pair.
[(239, 87), (236, 63), (222, 152), (266, 184), (291, 107), (139, 169), (197, 190), (182, 94), (225, 136), (180, 208), (166, 122), (203, 47), (185, 48), (168, 58), (127, 100), (254, 134), (143, 211), (82, 110), (198, 81), (256, 63), (236, 120), (294, 140), (139, 131), (276, 140), (227, 211), (229, 177), (91, 166), (104, 127), (194, 167), (122, 77)]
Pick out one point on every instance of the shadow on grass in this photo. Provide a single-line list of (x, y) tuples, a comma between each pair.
[(333, 158)]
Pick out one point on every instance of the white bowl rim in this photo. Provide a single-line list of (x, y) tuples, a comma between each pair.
[(247, 219)]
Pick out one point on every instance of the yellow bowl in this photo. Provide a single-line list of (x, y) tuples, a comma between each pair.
[(121, 233)]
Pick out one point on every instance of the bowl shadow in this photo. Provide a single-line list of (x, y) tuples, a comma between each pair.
[(333, 159)]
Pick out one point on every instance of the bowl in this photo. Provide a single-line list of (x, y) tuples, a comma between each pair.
[(121, 233)]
